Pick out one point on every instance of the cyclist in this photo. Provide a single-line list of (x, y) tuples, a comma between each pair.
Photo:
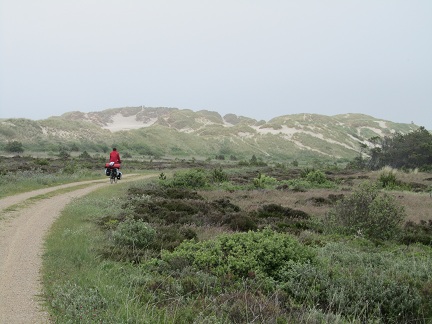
[(115, 158)]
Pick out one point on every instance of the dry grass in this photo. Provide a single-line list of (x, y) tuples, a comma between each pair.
[(209, 232), (253, 199), (418, 206)]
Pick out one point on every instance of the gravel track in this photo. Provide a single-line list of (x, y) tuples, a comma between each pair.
[(22, 234)]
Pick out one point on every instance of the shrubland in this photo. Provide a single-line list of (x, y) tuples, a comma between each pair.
[(252, 243)]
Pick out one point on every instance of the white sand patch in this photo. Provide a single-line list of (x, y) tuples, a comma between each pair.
[(66, 135), (226, 124), (288, 132), (381, 123), (341, 144), (8, 123), (121, 122), (304, 147), (59, 133), (203, 120), (288, 137), (187, 130)]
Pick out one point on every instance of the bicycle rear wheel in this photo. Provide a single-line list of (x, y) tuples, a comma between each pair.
[(113, 177)]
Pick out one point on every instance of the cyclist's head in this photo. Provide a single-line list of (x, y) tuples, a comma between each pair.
[(114, 149)]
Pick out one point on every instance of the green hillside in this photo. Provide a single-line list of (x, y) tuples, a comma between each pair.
[(172, 132)]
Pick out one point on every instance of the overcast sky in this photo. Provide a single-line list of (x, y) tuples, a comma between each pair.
[(256, 58)]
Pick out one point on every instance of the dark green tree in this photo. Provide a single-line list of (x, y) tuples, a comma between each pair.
[(14, 147), (412, 150)]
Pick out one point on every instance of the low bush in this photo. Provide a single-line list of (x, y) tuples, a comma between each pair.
[(84, 155), (387, 178), (262, 181), (218, 175), (417, 233), (369, 283), (75, 302), (368, 213), (278, 211), (242, 222), (169, 237), (134, 234), (14, 147), (266, 276), (243, 254), (194, 178), (316, 177), (359, 285)]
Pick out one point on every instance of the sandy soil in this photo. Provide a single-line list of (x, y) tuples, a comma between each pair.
[(21, 246), (121, 122)]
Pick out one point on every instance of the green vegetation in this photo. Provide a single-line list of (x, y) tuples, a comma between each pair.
[(22, 181), (279, 233), (368, 213), (180, 250), (20, 174), (133, 233), (183, 133), (262, 181), (409, 151), (14, 147), (195, 178)]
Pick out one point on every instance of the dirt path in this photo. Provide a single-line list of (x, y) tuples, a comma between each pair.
[(21, 246)]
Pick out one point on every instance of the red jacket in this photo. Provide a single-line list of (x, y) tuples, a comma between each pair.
[(115, 157)]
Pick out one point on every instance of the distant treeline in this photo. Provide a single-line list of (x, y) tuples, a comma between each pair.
[(409, 151)]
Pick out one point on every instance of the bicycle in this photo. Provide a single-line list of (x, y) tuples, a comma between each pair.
[(113, 176), (112, 172)]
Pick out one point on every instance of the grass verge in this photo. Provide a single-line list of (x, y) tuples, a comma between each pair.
[(79, 286), (12, 184)]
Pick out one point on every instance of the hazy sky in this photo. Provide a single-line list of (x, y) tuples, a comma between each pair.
[(256, 58)]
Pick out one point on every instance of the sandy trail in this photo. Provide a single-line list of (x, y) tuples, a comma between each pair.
[(16, 199), (21, 246)]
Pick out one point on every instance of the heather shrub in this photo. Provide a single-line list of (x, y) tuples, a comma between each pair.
[(359, 284), (242, 222), (218, 175), (417, 233), (168, 237), (133, 233)]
